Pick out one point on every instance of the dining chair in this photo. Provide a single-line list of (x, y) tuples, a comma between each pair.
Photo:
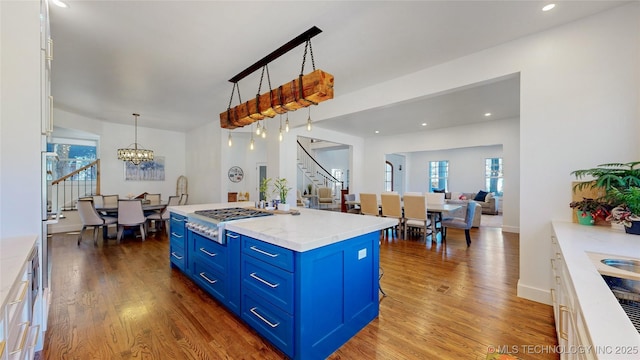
[(351, 208), (152, 198), (130, 214), (110, 201), (436, 199), (163, 217), (98, 201), (392, 208), (459, 223), (183, 199), (90, 218), (369, 204), (325, 197), (415, 213)]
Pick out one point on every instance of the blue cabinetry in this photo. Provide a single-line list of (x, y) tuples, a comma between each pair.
[(177, 241)]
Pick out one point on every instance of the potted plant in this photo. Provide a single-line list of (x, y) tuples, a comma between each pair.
[(309, 188), (588, 210), (627, 212), (264, 188), (609, 176), (282, 188)]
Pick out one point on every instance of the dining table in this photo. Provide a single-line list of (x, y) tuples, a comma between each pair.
[(434, 212), (113, 211)]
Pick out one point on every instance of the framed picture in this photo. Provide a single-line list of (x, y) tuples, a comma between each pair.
[(146, 171)]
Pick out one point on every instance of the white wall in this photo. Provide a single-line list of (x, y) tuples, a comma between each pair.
[(399, 179), (169, 144), (466, 167)]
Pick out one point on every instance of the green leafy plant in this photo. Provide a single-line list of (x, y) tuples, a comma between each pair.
[(264, 188), (282, 188), (628, 209), (309, 188), (608, 177), (596, 208)]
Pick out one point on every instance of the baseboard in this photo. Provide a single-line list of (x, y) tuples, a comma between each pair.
[(511, 229), (534, 294)]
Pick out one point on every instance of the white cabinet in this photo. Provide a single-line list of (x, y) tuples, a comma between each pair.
[(570, 328)]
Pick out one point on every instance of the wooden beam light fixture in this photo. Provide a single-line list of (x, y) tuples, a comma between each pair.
[(310, 89)]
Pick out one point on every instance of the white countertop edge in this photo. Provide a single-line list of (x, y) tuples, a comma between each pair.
[(607, 323), (309, 230)]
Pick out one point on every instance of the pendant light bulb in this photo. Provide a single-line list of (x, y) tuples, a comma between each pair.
[(258, 128), (309, 121), (230, 141), (280, 136), (264, 130), (280, 130), (286, 124), (251, 144)]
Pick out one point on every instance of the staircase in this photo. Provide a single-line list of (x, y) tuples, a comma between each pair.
[(63, 195), (316, 174)]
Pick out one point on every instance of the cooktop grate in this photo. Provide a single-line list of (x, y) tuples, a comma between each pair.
[(229, 214), (630, 303)]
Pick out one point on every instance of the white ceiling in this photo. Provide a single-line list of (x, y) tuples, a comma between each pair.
[(170, 61)]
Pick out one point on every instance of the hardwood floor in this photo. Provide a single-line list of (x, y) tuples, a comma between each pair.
[(444, 301)]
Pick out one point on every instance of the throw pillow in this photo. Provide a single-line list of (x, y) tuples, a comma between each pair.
[(438, 190), (456, 195), (462, 197), (480, 196)]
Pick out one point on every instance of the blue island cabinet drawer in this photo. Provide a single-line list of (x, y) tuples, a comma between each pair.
[(210, 280), (177, 256), (272, 323), (210, 253), (268, 282), (177, 225), (271, 254)]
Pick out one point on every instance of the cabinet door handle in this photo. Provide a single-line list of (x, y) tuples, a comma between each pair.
[(263, 252), (208, 253), (558, 280), (176, 219), (254, 312), (273, 286), (25, 285), (50, 123), (553, 264), (35, 338), (563, 332), (553, 296), (177, 256), (206, 278), (554, 240), (232, 236), (176, 235), (50, 49)]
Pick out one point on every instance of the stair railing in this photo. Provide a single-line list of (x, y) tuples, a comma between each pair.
[(315, 172), (65, 191)]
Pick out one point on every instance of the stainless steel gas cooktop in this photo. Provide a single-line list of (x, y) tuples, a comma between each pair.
[(220, 215)]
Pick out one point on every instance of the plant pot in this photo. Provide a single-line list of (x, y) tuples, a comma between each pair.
[(283, 207), (584, 217), (634, 229)]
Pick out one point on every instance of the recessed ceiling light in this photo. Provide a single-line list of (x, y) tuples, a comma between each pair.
[(377, 132), (424, 124), (548, 7), (487, 114), (60, 3)]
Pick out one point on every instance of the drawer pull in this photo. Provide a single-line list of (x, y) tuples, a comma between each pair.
[(553, 264), (232, 236), (177, 256), (25, 284), (176, 219), (263, 252), (254, 312), (35, 338), (23, 338), (208, 253), (176, 235), (273, 286), (553, 296), (206, 278)]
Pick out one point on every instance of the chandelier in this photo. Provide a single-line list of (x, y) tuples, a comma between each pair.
[(135, 153), (305, 90)]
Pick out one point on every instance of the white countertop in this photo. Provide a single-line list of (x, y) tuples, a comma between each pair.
[(607, 323), (309, 230), (13, 254)]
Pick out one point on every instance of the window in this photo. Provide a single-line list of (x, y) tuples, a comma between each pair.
[(72, 155), (388, 176), (438, 175), (493, 175)]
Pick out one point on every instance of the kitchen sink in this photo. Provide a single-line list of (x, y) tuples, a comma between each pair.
[(623, 264), (627, 292)]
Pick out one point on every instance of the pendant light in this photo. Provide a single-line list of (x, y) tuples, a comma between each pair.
[(135, 153), (230, 141), (286, 124), (309, 120), (280, 137), (251, 142)]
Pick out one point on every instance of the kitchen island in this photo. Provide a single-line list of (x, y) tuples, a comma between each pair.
[(307, 283)]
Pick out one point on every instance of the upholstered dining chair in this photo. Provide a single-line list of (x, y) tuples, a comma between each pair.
[(391, 207), (152, 198), (436, 198), (415, 213), (130, 214), (183, 199), (460, 223), (98, 201), (369, 204), (110, 201), (351, 208), (163, 217), (90, 218)]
